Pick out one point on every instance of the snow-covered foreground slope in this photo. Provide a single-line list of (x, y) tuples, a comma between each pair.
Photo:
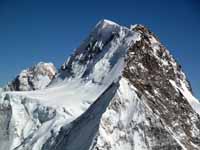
[(120, 90)]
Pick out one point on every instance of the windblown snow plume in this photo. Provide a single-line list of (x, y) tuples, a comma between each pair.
[(120, 90)]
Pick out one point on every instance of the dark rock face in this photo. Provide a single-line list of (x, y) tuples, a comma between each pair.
[(152, 79)]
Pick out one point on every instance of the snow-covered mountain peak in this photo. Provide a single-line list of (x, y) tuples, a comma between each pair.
[(105, 45), (34, 78), (150, 104), (105, 23), (104, 29), (120, 90)]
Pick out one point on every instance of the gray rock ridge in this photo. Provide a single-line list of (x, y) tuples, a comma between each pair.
[(34, 78), (152, 80)]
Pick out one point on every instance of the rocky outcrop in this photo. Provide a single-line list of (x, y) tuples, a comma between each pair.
[(34, 78)]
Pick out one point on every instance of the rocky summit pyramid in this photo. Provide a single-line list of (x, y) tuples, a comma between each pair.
[(120, 90)]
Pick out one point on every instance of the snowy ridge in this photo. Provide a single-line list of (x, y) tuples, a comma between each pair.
[(107, 43), (188, 95), (121, 89)]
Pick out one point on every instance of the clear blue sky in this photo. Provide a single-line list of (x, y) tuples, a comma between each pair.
[(48, 30)]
